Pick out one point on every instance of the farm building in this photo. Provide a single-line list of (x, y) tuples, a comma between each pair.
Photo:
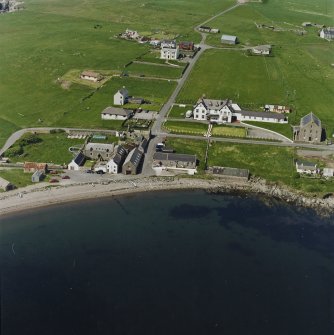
[(37, 176), (90, 75), (244, 115), (169, 50), (229, 39), (113, 113), (102, 151), (327, 33), (174, 162), (306, 167), (121, 97), (136, 100), (277, 109), (32, 167), (185, 45), (77, 162), (261, 50), (5, 185), (215, 31), (309, 130), (204, 29), (132, 162)]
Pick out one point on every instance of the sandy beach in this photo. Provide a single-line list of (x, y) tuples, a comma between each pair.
[(41, 195)]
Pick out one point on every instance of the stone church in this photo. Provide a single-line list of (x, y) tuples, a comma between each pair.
[(309, 130)]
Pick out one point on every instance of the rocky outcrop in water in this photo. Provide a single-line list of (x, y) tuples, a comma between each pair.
[(10, 6)]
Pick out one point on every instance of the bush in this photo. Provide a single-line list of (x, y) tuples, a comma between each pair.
[(14, 151), (30, 139)]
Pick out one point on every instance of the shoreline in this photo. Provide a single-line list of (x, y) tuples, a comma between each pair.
[(44, 195)]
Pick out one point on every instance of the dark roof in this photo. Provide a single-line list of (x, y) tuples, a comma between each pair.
[(205, 27), (79, 158), (143, 144), (38, 173), (263, 114), (118, 159), (134, 157), (306, 164), (309, 118), (121, 150), (164, 156), (117, 111)]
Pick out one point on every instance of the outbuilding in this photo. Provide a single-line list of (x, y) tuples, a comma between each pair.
[(229, 39), (5, 185), (37, 176)]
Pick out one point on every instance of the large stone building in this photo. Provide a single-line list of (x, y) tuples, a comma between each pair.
[(309, 130), (101, 151)]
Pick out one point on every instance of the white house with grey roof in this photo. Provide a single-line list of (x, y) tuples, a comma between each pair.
[(306, 167), (261, 50), (114, 113), (169, 50), (77, 162), (327, 33), (229, 39), (121, 97), (114, 165)]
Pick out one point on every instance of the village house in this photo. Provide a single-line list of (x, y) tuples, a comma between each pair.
[(114, 165), (277, 109), (132, 162), (327, 33), (328, 172), (90, 75), (77, 162), (229, 39), (5, 185), (113, 113), (174, 162), (169, 50), (309, 130), (99, 151), (121, 97), (37, 176), (244, 115), (306, 167), (32, 167), (261, 50)]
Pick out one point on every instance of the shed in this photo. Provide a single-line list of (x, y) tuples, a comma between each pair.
[(113, 113), (229, 39), (37, 176), (6, 185)]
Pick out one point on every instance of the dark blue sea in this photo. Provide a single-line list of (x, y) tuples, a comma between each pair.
[(167, 263)]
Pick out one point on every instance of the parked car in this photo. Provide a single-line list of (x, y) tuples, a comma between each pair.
[(89, 171), (54, 180), (100, 172), (65, 177)]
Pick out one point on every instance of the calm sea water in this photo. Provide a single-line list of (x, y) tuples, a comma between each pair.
[(167, 263)]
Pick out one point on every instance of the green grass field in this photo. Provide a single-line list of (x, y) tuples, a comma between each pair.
[(284, 129), (17, 177), (227, 131), (178, 112), (184, 127), (154, 70)]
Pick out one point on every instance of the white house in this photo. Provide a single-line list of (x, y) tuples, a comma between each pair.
[(327, 33), (261, 50), (169, 50), (113, 113), (114, 165), (243, 115), (217, 111), (306, 167), (90, 75), (77, 162), (328, 172), (121, 97)]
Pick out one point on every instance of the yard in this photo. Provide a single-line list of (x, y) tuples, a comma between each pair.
[(17, 177), (178, 112), (284, 129), (228, 131), (184, 127)]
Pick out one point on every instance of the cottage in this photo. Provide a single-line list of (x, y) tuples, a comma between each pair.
[(169, 50), (204, 29), (214, 31), (277, 109), (261, 50), (327, 33), (328, 172), (100, 151), (174, 162), (132, 162), (229, 39), (92, 76), (306, 167), (5, 185), (121, 97), (309, 130), (115, 164), (33, 166), (216, 111), (244, 115), (37, 176), (113, 113), (77, 162)]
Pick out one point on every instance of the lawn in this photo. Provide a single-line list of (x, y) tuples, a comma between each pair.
[(228, 131), (17, 177), (184, 127), (154, 70), (284, 129), (178, 112), (53, 148)]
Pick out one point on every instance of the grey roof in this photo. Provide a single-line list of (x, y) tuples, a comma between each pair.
[(4, 183), (163, 156), (118, 159), (123, 91), (266, 47), (38, 173), (306, 165), (309, 118), (79, 158), (329, 31), (229, 38), (263, 114), (212, 103), (99, 147), (121, 151), (117, 111), (134, 157)]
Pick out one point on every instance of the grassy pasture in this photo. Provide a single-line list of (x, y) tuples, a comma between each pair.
[(17, 177), (154, 70), (178, 112), (184, 127), (228, 131)]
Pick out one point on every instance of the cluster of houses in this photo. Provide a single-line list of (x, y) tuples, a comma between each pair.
[(225, 111), (111, 158), (129, 34)]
